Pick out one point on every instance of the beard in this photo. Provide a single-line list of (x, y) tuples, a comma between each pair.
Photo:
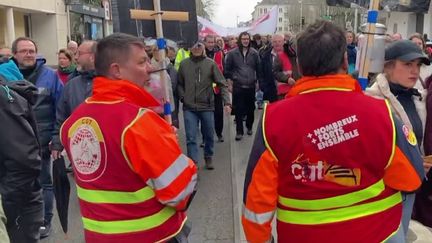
[(28, 63)]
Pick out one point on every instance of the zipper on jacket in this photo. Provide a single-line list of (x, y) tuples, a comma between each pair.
[(9, 96)]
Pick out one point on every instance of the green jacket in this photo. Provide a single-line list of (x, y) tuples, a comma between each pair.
[(196, 76)]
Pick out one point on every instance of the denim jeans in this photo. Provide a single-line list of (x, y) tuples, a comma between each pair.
[(398, 237), (191, 120), (46, 181), (407, 208)]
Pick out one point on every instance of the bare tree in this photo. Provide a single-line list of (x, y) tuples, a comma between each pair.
[(205, 8)]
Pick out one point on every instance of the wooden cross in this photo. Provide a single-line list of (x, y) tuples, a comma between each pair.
[(158, 15)]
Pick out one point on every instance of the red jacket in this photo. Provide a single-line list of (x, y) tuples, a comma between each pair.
[(128, 191), (309, 166)]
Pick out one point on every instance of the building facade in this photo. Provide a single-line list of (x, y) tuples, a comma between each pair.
[(50, 23), (295, 15)]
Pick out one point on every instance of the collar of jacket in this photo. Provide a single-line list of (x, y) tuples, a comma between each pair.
[(381, 89), (10, 71), (326, 82), (107, 90)]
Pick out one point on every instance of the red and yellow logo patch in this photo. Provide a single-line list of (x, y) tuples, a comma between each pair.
[(409, 135)]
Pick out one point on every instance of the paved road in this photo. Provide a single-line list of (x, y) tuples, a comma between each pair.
[(215, 211)]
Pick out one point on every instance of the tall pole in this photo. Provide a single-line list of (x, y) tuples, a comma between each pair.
[(161, 46), (365, 55), (355, 20), (10, 24), (68, 22)]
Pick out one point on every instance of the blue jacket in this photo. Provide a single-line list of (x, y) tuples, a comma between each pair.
[(49, 88)]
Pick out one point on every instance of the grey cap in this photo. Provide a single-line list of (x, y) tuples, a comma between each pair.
[(406, 51), (198, 44)]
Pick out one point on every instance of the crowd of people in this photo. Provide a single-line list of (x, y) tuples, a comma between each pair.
[(364, 167)]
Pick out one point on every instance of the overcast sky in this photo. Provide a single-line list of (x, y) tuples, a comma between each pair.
[(226, 11)]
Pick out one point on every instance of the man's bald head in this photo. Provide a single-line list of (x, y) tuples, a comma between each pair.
[(277, 42), (72, 46)]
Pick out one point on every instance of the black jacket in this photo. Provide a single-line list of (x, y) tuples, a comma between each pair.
[(267, 82), (20, 161), (49, 88), (243, 70), (74, 93)]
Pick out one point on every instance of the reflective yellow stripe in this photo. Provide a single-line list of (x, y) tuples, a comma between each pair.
[(335, 202), (324, 89), (393, 135), (99, 196), (128, 226), (264, 133), (338, 215)]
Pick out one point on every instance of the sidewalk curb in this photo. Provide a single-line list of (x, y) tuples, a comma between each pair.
[(236, 211)]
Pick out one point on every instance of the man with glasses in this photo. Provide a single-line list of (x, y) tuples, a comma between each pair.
[(49, 87), (75, 91)]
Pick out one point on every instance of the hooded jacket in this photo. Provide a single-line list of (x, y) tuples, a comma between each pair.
[(20, 161), (49, 88)]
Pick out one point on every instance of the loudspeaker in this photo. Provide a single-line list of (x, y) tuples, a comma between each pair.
[(186, 32)]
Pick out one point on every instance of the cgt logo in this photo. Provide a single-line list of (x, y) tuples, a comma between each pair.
[(305, 171)]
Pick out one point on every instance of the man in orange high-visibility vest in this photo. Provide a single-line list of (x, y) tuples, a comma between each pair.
[(133, 181), (329, 161)]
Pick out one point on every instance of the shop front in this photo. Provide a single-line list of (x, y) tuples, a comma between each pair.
[(86, 22)]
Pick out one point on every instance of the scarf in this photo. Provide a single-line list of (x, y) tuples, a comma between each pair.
[(68, 70)]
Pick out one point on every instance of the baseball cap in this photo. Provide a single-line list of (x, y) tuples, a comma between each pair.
[(198, 44), (406, 51)]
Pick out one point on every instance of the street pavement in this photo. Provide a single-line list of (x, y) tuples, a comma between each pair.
[(216, 209)]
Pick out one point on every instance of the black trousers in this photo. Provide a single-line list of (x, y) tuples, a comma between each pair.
[(23, 225), (270, 94), (175, 113), (244, 105), (218, 114)]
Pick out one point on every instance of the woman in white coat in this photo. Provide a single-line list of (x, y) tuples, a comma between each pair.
[(400, 86)]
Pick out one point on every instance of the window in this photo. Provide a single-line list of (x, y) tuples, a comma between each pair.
[(261, 11), (280, 28), (27, 25), (265, 10), (280, 20), (280, 10), (286, 28)]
